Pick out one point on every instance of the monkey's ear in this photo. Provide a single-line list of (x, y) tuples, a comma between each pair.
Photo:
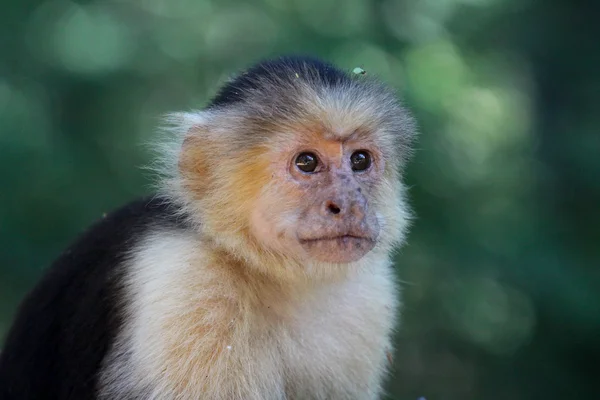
[(193, 157), (191, 127)]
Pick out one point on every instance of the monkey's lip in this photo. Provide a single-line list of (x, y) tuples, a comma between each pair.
[(343, 237), (342, 248)]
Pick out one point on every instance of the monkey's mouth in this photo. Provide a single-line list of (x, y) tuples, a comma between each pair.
[(338, 248), (342, 238)]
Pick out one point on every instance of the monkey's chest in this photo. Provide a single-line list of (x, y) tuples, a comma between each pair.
[(337, 352), (324, 347)]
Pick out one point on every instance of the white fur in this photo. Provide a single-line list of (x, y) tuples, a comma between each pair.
[(318, 342)]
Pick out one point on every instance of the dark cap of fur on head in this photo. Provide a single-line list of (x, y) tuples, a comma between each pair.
[(283, 70)]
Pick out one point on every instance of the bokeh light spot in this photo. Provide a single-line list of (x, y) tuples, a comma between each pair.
[(90, 40)]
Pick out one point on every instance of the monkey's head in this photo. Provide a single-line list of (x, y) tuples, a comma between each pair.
[(297, 163)]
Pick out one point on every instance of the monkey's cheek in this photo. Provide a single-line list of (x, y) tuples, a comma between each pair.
[(339, 250)]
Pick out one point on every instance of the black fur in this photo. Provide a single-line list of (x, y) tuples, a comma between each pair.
[(283, 68), (64, 327)]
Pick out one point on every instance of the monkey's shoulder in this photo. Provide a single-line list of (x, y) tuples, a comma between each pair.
[(118, 231), (65, 325), (98, 252)]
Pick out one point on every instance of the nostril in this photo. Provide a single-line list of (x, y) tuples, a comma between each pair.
[(333, 208)]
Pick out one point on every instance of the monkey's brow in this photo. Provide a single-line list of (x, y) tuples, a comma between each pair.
[(354, 134), (361, 133)]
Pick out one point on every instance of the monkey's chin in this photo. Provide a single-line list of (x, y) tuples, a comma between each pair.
[(338, 250)]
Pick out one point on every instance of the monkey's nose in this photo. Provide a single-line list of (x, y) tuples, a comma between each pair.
[(344, 208), (332, 208)]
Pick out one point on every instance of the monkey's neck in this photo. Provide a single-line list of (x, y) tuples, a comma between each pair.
[(274, 271)]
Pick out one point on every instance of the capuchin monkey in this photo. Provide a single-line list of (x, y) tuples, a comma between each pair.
[(261, 268)]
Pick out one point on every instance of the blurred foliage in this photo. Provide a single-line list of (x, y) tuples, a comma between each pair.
[(501, 273)]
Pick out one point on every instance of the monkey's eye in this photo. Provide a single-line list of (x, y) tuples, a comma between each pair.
[(361, 160), (307, 162)]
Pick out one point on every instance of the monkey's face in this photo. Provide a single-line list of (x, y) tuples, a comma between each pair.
[(303, 175), (335, 222), (321, 200)]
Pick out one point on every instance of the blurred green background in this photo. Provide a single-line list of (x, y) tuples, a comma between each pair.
[(501, 271)]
